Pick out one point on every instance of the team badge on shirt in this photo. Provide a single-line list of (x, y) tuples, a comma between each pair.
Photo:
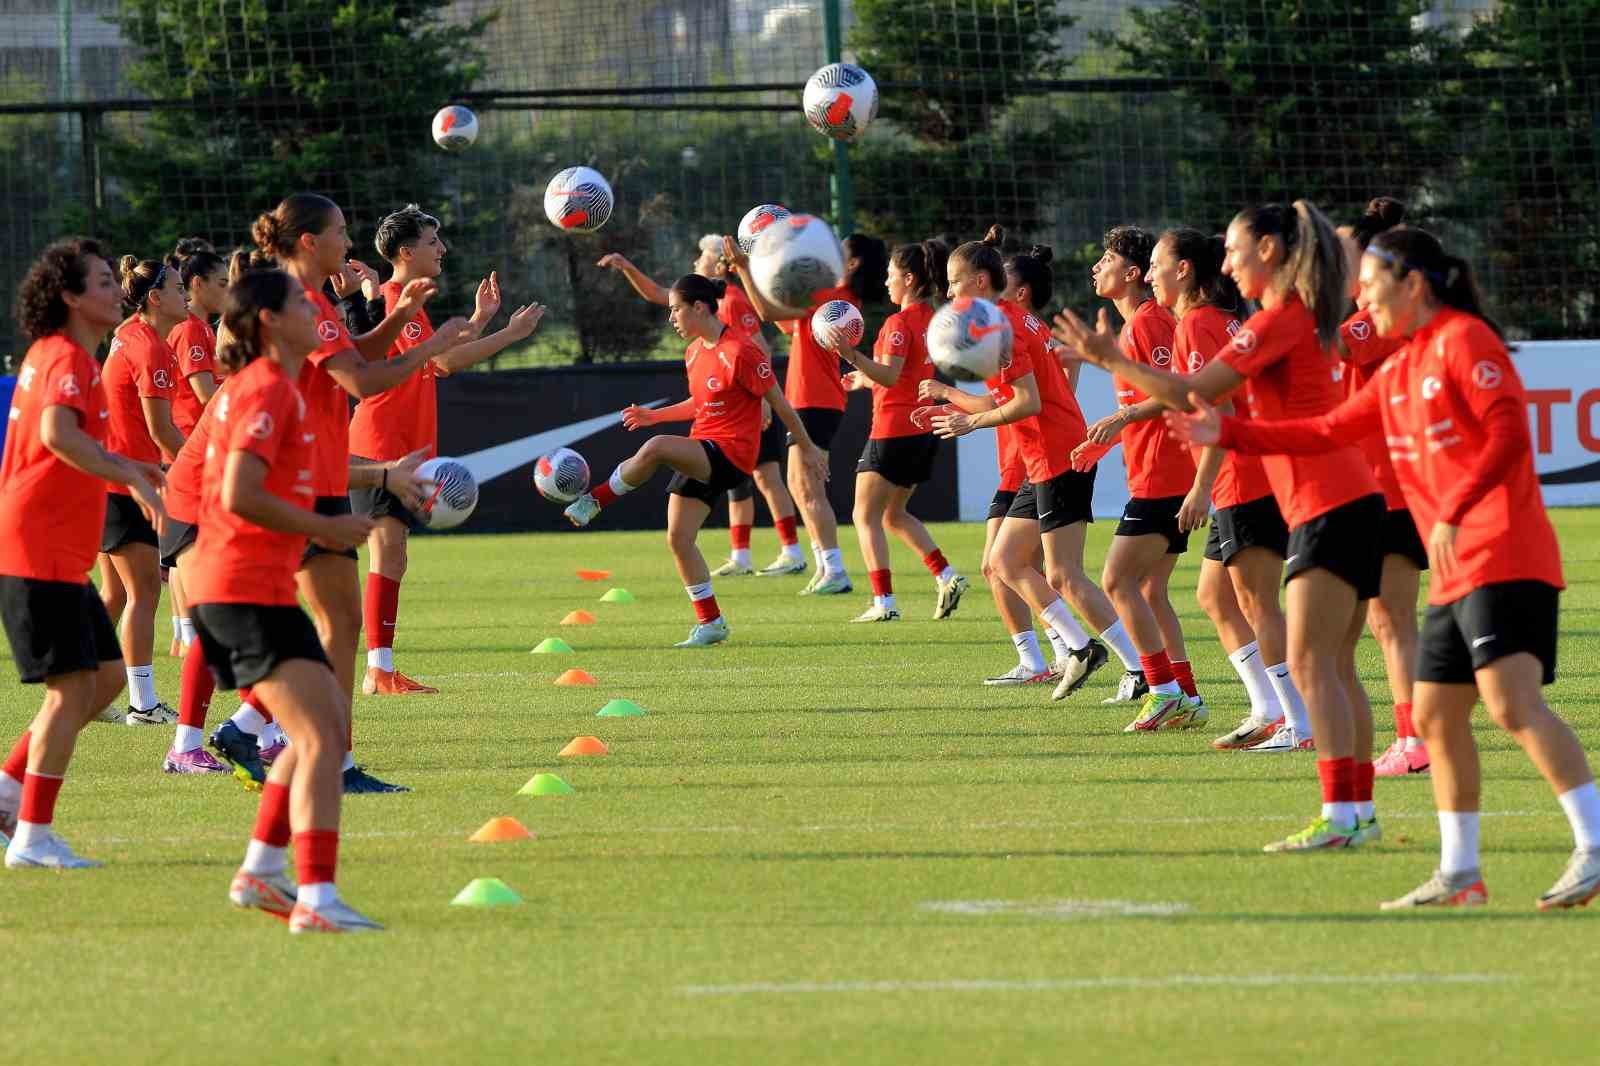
[(328, 331), (1486, 375), (1244, 340), (260, 426), (197, 354)]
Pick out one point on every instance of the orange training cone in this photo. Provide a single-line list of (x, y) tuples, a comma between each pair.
[(586, 746), (593, 575), (496, 830), (579, 618), (576, 677)]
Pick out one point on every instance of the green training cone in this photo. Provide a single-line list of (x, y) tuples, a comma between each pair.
[(546, 785), (553, 646), (617, 596), (486, 892), (620, 709)]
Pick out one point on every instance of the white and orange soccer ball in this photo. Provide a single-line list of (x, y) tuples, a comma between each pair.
[(454, 128), (837, 323), (561, 476), (454, 496), (756, 220), (969, 339), (840, 101), (578, 200), (793, 259)]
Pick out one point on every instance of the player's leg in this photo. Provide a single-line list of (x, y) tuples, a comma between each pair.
[(741, 519), (1156, 591), (949, 584), (112, 592), (680, 454), (69, 705), (1216, 596), (1129, 560), (769, 482), (874, 494), (1392, 617), (388, 557), (182, 628), (1361, 724), (138, 567), (196, 687), (685, 515), (1012, 608)]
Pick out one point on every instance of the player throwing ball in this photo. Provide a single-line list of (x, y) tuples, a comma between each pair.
[(728, 379)]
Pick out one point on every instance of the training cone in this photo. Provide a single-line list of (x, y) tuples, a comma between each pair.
[(546, 785), (553, 646), (617, 596), (486, 892), (496, 830), (620, 709), (586, 746), (576, 677), (579, 618), (593, 575)]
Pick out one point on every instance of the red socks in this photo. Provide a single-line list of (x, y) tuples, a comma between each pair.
[(1157, 668), (706, 610), (603, 494), (194, 696), (381, 605), (16, 764), (1402, 721), (248, 695), (785, 528), (316, 854), (39, 792), (935, 562), (272, 817), (739, 538), (1338, 778), (1363, 782), (882, 582), (1184, 674)]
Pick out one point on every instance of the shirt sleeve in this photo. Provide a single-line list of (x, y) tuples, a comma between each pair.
[(1482, 373), (1357, 418), (192, 352), (1021, 364), (331, 332), (1362, 345), (755, 372), (1152, 341), (66, 384), (894, 340), (258, 422), (1256, 347), (155, 372)]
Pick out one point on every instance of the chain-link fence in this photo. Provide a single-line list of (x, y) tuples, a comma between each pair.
[(143, 120)]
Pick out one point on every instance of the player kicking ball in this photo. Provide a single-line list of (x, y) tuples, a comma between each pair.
[(728, 379)]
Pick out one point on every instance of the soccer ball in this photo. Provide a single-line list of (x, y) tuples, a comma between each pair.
[(970, 339), (454, 128), (793, 259), (840, 101), (578, 200), (757, 219), (837, 322), (454, 496), (562, 476)]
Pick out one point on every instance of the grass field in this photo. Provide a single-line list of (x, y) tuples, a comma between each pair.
[(824, 844)]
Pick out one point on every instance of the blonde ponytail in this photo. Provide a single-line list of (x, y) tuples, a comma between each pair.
[(1315, 269)]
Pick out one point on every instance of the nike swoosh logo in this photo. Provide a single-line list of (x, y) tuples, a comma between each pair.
[(1481, 641), (1253, 653), (1291, 558), (1225, 543), (1046, 514), (977, 332), (492, 462)]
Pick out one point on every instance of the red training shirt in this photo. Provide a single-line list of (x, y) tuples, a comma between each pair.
[(194, 349), (398, 421), (1157, 465), (1201, 335), (51, 513), (736, 312), (140, 366), (262, 413), (184, 476), (905, 336), (813, 378), (727, 381), (1045, 440), (1364, 352), (1292, 376), (327, 404)]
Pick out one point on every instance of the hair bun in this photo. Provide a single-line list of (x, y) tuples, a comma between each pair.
[(1386, 209), (1042, 252), (996, 236), (126, 266), (720, 284), (265, 232)]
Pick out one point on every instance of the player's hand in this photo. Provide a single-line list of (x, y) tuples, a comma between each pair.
[(1087, 454), (1198, 428), (343, 531), (814, 461), (416, 293), (403, 482), (952, 425), (524, 320), (1105, 431), (856, 380), (146, 491), (346, 280), (935, 391), (636, 417), (453, 332), (1442, 549), (614, 261), (1097, 346), (488, 300), (367, 276), (1196, 508), (734, 255)]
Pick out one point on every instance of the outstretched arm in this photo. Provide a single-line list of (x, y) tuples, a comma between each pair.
[(642, 283)]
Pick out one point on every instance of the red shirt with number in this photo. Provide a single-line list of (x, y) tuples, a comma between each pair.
[(327, 404), (1158, 465), (1364, 353), (183, 478), (51, 513), (396, 422), (1202, 335), (261, 413), (139, 367), (1453, 410), (735, 311), (1291, 375), (904, 336), (727, 381), (194, 349), (1045, 440), (813, 378)]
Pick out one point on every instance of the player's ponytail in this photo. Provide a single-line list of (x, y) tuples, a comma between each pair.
[(924, 261), (695, 289), (984, 257), (1313, 265), (1381, 213), (139, 277), (255, 291), (194, 257), (1449, 277), (1032, 268), (1208, 284), (278, 232)]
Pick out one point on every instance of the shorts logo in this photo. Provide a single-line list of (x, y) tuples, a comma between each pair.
[(413, 331), (1360, 330), (1196, 362), (763, 369), (1486, 374), (1430, 387), (161, 379), (897, 339), (1161, 356), (260, 426), (197, 354), (328, 330), (714, 383), (68, 386), (1244, 340)]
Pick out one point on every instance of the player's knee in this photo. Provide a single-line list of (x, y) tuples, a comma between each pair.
[(1118, 584)]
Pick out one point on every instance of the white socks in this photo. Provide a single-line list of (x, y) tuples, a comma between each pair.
[(29, 834), (186, 631), (349, 761), (1116, 638), (833, 560), (886, 602), (1340, 814), (261, 858), (1294, 707), (141, 687), (793, 552), (317, 895), (1582, 805), (1059, 618), (698, 592), (271, 733), (1252, 671), (186, 738), (10, 789), (1458, 841), (741, 557), (1058, 643), (619, 486), (248, 720), (946, 574), (380, 659), (1028, 653), (816, 557)]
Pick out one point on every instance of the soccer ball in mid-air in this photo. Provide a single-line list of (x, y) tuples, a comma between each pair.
[(840, 101), (578, 200), (454, 496), (793, 259), (969, 339), (756, 220), (454, 128), (562, 476), (838, 323)]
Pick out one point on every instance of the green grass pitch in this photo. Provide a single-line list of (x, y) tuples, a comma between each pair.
[(824, 843)]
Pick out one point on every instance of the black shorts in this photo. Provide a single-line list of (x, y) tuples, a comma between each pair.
[(724, 477), (328, 505), (244, 642), (1145, 517), (1001, 504), (771, 451), (55, 627), (378, 502), (1486, 624), (125, 524), (1343, 542), (175, 537), (822, 423), (1253, 524), (903, 461), (1061, 501), (1399, 537)]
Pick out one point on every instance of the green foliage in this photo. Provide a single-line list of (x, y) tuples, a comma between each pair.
[(966, 55)]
